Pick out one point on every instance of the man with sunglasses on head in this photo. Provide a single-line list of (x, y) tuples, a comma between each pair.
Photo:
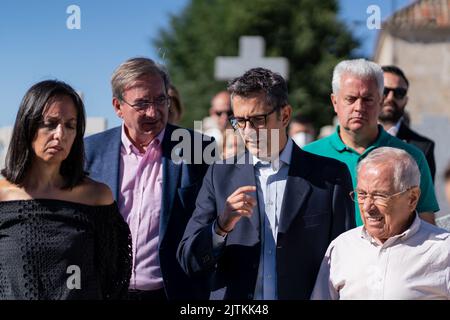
[(391, 116), (264, 218), (155, 192), (357, 99)]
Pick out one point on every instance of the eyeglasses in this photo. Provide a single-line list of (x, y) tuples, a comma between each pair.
[(141, 106), (379, 199), (256, 122), (220, 113), (399, 93)]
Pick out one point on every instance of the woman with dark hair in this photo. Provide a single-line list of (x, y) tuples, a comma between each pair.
[(176, 107), (61, 234)]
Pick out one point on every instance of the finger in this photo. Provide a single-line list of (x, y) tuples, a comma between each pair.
[(243, 198), (244, 213), (250, 200), (243, 189), (247, 205), (240, 197), (241, 206)]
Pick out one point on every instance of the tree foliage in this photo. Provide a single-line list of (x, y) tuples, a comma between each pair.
[(307, 32)]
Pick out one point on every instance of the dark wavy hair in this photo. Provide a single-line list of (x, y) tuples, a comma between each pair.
[(29, 117), (259, 80)]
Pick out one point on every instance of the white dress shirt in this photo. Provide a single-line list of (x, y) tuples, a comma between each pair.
[(412, 265), (270, 184), (393, 131)]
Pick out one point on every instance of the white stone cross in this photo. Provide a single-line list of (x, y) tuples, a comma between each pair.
[(251, 55)]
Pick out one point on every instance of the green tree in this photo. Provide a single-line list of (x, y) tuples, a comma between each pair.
[(307, 32)]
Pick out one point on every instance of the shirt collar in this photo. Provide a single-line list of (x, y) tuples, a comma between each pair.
[(394, 129), (337, 143), (130, 148), (408, 233), (284, 158)]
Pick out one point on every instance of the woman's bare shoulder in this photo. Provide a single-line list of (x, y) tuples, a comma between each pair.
[(9, 191), (95, 193)]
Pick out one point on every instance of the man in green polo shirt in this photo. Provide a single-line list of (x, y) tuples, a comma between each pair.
[(357, 99)]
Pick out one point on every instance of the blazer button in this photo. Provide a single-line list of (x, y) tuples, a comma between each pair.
[(250, 296), (206, 258)]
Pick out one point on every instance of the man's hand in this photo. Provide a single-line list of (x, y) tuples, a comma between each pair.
[(239, 204)]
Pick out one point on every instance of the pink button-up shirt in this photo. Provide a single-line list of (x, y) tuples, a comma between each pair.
[(140, 205)]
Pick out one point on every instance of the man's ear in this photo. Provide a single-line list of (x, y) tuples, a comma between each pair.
[(286, 114), (414, 198), (333, 98), (117, 107)]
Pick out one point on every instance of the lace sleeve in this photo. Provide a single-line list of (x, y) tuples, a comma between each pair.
[(113, 252)]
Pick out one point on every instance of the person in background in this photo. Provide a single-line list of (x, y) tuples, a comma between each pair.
[(233, 145), (394, 255), (357, 99), (393, 117), (301, 130), (61, 233), (176, 109), (328, 130), (216, 123)]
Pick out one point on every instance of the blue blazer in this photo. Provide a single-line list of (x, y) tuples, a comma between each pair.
[(316, 208), (181, 183)]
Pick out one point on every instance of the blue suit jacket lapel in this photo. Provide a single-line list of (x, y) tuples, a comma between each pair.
[(245, 174), (111, 169), (171, 173), (297, 189)]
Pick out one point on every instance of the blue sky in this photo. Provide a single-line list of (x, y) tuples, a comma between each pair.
[(36, 44)]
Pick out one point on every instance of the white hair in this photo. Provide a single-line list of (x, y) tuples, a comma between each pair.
[(361, 68), (406, 172)]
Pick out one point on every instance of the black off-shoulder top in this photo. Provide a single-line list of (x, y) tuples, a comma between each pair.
[(55, 249)]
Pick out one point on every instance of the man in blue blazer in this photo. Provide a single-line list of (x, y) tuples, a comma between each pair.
[(153, 176), (264, 220)]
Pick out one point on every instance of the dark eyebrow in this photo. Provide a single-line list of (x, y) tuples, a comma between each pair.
[(256, 115), (57, 118)]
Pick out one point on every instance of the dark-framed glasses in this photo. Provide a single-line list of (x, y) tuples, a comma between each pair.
[(378, 198), (399, 93), (143, 105), (257, 122)]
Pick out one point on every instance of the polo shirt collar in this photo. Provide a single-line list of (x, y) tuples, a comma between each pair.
[(337, 143)]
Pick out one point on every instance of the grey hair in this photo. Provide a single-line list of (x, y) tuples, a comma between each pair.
[(360, 68), (133, 69), (406, 171)]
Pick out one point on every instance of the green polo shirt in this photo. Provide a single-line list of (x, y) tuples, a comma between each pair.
[(333, 147)]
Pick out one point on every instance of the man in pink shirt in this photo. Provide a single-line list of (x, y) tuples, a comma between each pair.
[(155, 192)]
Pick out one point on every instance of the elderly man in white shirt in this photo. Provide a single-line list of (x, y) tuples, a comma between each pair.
[(394, 255)]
